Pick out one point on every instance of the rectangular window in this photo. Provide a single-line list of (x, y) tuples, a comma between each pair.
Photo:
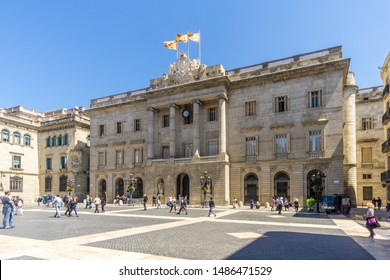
[(367, 123), (250, 146), (101, 130), (119, 128), (48, 142), (63, 163), (16, 162), (187, 150), (165, 121), (315, 98), (367, 193), (48, 164), (367, 176), (16, 138), (315, 141), (165, 152), (27, 140), (102, 159), (281, 146), (281, 104), (212, 114), (137, 125), (119, 157), (137, 156), (212, 148), (367, 155), (16, 184), (54, 141), (250, 108), (48, 181)]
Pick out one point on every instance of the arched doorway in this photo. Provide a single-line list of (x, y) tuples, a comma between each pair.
[(251, 182), (139, 187), (282, 185), (119, 187), (183, 186), (315, 182), (102, 187)]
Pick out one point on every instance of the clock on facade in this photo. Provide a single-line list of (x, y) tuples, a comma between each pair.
[(186, 113)]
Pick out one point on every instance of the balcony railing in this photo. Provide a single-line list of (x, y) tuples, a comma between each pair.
[(386, 146), (386, 90), (386, 117), (385, 176)]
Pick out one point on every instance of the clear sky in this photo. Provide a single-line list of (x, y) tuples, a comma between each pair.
[(63, 53)]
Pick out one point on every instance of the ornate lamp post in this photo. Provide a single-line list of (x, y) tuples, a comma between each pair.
[(317, 180), (132, 184), (205, 182), (70, 186)]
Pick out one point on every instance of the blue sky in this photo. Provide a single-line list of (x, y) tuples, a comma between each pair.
[(63, 53)]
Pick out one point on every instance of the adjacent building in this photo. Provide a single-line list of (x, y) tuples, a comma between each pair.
[(385, 76), (43, 153)]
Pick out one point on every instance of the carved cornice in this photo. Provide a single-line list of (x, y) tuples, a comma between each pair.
[(313, 123), (250, 130), (367, 140), (281, 126)]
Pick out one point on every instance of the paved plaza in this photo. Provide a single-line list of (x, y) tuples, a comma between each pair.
[(128, 232)]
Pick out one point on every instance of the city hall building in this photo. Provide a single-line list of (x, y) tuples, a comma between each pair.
[(277, 128)]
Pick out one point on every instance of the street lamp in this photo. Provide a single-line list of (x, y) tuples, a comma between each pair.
[(205, 183), (132, 183), (317, 179)]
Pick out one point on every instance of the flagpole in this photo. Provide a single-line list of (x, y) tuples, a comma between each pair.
[(199, 53), (188, 45)]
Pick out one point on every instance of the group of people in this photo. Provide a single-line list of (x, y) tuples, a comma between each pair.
[(277, 203)]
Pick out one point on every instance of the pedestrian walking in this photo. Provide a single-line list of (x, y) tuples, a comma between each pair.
[(158, 202), (8, 210), (88, 202), (57, 202), (296, 205), (251, 204), (183, 205), (172, 204), (73, 206), (373, 201), (371, 222), (103, 201), (273, 203), (145, 201), (379, 203), (280, 205), (19, 205), (388, 210), (154, 200), (97, 201), (211, 207), (39, 200)]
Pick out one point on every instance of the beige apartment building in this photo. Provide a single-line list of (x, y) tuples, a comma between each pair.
[(277, 128), (369, 135), (42, 152)]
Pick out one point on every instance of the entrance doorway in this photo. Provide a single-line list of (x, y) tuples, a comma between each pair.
[(282, 185), (251, 188), (183, 186)]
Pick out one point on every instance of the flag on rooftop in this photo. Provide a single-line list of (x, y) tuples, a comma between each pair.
[(171, 45), (182, 38), (194, 37)]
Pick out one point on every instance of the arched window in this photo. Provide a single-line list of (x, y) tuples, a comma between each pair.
[(17, 138), (63, 183), (282, 185), (59, 143), (65, 139), (48, 141), (54, 141), (251, 188), (27, 140), (5, 135)]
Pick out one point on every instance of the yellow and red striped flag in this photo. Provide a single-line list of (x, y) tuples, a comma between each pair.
[(171, 45), (182, 38), (194, 37)]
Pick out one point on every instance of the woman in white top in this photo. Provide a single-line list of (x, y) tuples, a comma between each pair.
[(370, 214)]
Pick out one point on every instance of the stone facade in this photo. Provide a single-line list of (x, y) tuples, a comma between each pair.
[(25, 150), (276, 128), (385, 76), (369, 138)]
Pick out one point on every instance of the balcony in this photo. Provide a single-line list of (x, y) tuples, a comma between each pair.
[(386, 117), (386, 146), (386, 90), (385, 176)]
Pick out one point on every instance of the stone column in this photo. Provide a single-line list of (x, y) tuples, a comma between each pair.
[(151, 132), (222, 124), (196, 120), (172, 130), (350, 168)]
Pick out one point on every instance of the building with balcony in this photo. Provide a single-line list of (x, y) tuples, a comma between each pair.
[(277, 128), (369, 136), (385, 76), (36, 148)]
